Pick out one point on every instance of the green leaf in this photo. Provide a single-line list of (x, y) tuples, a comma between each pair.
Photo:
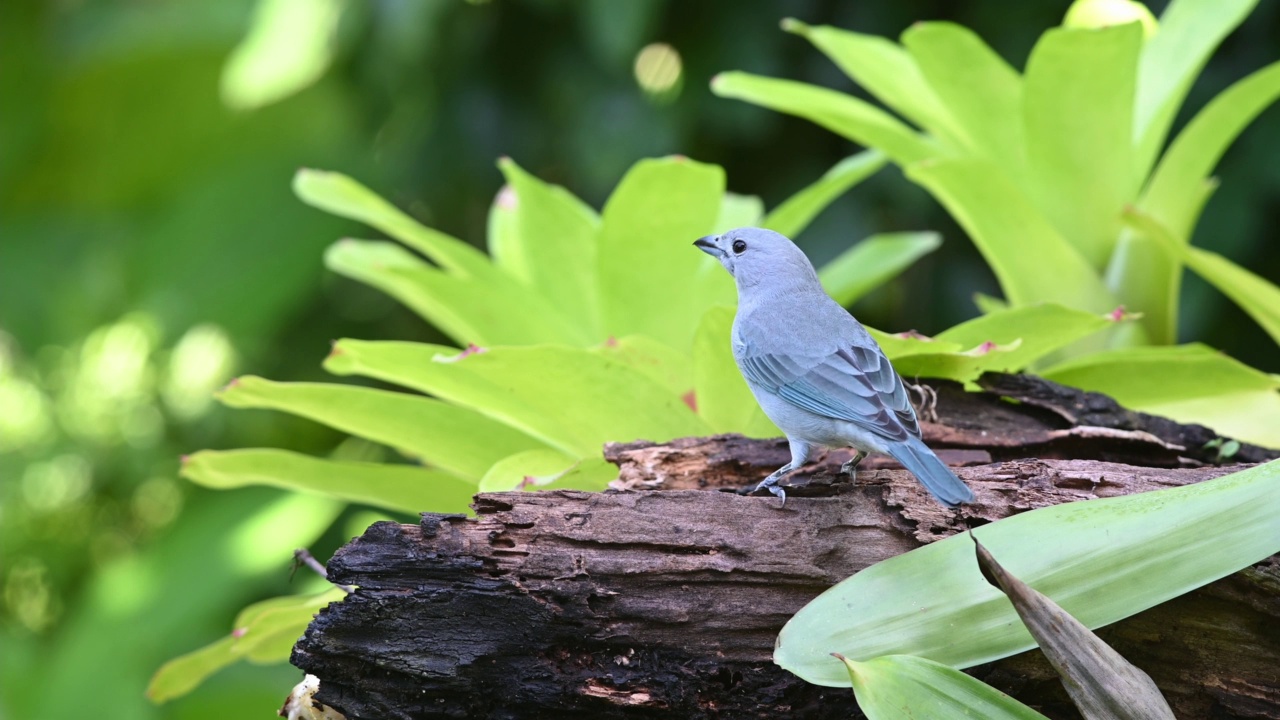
[(573, 399), (288, 47), (184, 673), (648, 267), (342, 196), (1101, 560), (1078, 111), (512, 473), (796, 212), (873, 262), (1029, 257), (842, 114), (988, 304), (468, 309), (888, 72), (738, 211), (961, 366), (457, 440), (723, 398), (1176, 190), (1145, 274), (266, 631), (1042, 330), (592, 474), (259, 628), (548, 470), (899, 345), (403, 488), (660, 362), (978, 88), (553, 246), (905, 687), (1253, 293), (1188, 383), (1189, 32)]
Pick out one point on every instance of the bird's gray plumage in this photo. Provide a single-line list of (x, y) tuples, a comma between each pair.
[(813, 368)]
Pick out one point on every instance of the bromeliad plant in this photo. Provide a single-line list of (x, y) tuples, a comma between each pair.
[(579, 329), (1057, 175)]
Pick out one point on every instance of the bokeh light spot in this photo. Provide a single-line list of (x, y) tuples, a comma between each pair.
[(658, 71)]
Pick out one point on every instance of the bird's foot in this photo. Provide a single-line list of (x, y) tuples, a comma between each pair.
[(850, 468), (771, 484)]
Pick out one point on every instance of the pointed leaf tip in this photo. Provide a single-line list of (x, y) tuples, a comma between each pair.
[(793, 25), (507, 199)]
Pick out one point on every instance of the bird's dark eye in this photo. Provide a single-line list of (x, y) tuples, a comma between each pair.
[(739, 247)]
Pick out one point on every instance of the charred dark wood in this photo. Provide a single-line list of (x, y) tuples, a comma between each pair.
[(665, 601)]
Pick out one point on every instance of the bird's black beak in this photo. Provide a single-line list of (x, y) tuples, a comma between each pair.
[(707, 245)]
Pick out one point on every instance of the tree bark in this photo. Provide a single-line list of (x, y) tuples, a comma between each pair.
[(664, 599)]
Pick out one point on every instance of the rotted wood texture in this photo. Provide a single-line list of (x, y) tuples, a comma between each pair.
[(663, 598)]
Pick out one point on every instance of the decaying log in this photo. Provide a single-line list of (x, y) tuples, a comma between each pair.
[(664, 599)]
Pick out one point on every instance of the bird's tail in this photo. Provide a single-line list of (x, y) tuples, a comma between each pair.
[(931, 472)]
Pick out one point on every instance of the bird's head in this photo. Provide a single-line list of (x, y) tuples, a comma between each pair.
[(755, 255)]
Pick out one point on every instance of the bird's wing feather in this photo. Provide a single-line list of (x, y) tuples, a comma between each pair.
[(856, 383)]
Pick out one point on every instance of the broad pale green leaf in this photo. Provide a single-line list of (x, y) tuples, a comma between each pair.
[(1188, 383), (468, 309), (873, 262), (961, 366), (592, 474), (525, 468), (553, 246), (842, 114), (403, 488), (455, 439), (1101, 560), (1101, 683), (1041, 330), (1078, 99), (1032, 261), (573, 399), (738, 211), (1253, 293), (1189, 32), (905, 687), (1145, 274), (899, 345), (1176, 191), (341, 195), (662, 363), (549, 470), (649, 269), (724, 401), (258, 627), (888, 72), (976, 86), (796, 212)]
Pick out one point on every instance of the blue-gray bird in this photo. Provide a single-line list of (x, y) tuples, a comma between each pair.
[(816, 372)]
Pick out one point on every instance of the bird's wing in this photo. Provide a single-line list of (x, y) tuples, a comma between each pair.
[(856, 383)]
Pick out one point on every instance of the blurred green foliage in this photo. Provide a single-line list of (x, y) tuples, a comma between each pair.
[(150, 247)]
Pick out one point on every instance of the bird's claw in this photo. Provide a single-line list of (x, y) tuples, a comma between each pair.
[(850, 467), (771, 484)]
